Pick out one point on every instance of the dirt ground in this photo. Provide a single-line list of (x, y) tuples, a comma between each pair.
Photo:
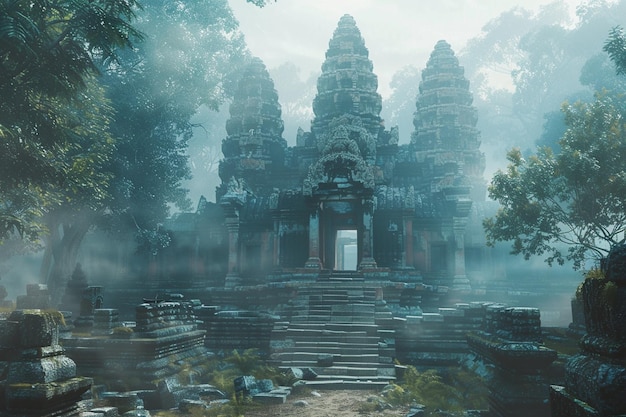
[(330, 403)]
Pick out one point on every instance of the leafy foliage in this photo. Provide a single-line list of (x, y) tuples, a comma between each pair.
[(453, 392), (186, 63), (48, 56), (576, 197), (615, 46)]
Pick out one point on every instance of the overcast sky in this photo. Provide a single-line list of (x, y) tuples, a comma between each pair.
[(396, 32)]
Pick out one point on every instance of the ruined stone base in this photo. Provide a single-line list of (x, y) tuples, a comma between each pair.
[(46, 399), (598, 382), (313, 263), (565, 405), (367, 264)]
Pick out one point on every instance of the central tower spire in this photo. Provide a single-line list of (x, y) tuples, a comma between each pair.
[(347, 85)]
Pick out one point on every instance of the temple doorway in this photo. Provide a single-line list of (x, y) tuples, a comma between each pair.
[(346, 250)]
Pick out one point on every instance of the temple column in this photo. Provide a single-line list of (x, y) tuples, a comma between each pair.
[(460, 281), (314, 261), (232, 277), (276, 242), (407, 226), (367, 238), (231, 203)]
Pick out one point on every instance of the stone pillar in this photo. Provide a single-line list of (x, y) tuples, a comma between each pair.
[(276, 243), (40, 379), (232, 202), (407, 227), (232, 277), (267, 250), (314, 261), (460, 281), (367, 237)]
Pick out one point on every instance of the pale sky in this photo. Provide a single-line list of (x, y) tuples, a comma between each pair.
[(396, 32)]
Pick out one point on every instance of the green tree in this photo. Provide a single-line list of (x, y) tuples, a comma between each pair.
[(83, 195), (574, 199), (49, 50), (186, 63), (615, 46)]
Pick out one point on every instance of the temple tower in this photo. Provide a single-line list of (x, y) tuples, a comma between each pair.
[(445, 120), (340, 184), (254, 145), (347, 84)]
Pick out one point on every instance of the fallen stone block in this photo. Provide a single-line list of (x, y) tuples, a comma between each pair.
[(269, 398)]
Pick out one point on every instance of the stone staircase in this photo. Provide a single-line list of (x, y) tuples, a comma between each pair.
[(342, 331)]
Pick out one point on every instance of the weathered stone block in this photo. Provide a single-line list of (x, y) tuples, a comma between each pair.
[(564, 405), (600, 384), (51, 369), (270, 398), (189, 406), (39, 399), (264, 385), (122, 401), (106, 411), (37, 328), (245, 384), (605, 309), (8, 334), (616, 264)]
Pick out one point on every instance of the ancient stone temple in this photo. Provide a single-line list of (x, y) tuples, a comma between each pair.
[(348, 196)]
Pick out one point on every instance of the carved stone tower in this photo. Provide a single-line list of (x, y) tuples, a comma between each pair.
[(445, 120), (347, 84), (254, 145)]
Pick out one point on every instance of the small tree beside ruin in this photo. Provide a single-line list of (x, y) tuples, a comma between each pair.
[(575, 199)]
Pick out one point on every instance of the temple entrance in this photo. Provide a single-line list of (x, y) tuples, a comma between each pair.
[(346, 250)]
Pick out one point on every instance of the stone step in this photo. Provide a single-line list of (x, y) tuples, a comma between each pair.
[(346, 384), (320, 370), (333, 372), (328, 335), (345, 371), (337, 359), (369, 328), (334, 344), (334, 350)]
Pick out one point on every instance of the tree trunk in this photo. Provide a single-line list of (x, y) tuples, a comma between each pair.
[(65, 252)]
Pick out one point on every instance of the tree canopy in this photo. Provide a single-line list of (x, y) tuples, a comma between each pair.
[(94, 132), (615, 46), (570, 205), (49, 54)]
